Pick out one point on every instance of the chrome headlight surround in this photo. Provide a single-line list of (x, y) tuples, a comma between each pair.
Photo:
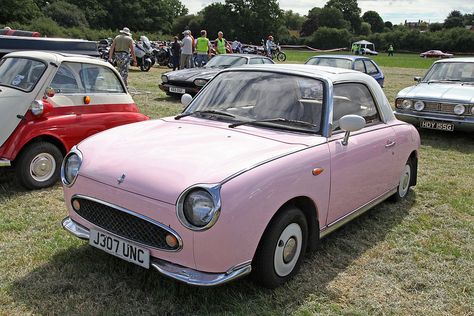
[(419, 105), (200, 82), (459, 109), (213, 192), (37, 107), (164, 78), (69, 172), (472, 109)]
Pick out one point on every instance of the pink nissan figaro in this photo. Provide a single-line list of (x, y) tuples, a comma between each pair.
[(262, 163)]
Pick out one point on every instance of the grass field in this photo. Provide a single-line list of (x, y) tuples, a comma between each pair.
[(412, 258)]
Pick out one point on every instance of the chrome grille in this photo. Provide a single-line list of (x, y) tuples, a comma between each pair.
[(447, 108), (431, 106), (123, 224)]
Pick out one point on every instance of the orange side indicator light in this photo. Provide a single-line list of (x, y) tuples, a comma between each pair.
[(87, 99), (171, 241), (317, 171)]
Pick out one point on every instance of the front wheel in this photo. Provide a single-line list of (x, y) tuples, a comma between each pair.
[(39, 165), (146, 66), (281, 250), (281, 56)]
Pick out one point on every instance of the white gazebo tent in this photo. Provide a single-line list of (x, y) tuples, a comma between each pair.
[(365, 44)]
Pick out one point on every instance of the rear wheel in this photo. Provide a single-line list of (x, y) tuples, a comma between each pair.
[(39, 165), (281, 250), (404, 182)]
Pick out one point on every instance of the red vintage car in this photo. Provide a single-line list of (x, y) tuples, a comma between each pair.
[(49, 102), (435, 54)]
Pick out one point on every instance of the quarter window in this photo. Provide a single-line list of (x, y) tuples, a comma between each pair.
[(354, 98), (371, 69)]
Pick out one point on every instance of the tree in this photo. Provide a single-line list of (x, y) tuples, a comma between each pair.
[(350, 10), (388, 24), (454, 19), (434, 27), (293, 20), (255, 19), (375, 21), (326, 38), (332, 17), (21, 11), (365, 29), (66, 14), (311, 24), (218, 17)]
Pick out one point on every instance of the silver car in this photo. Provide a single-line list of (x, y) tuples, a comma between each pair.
[(443, 99)]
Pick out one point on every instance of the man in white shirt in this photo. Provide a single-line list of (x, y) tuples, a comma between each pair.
[(187, 51)]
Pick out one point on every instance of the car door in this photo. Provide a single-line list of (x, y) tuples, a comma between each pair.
[(358, 169)]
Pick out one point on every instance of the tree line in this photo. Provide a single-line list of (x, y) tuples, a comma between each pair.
[(335, 25)]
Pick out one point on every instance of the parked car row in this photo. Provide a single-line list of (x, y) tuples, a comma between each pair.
[(261, 164)]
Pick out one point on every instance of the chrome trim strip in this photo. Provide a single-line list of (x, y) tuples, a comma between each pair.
[(214, 190), (199, 278), (357, 212), (174, 271), (119, 208), (5, 163), (74, 150), (442, 117)]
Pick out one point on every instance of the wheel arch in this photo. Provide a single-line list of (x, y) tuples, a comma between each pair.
[(310, 211), (44, 138)]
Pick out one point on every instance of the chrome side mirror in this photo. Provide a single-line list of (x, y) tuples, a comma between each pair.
[(350, 123), (417, 79), (186, 99)]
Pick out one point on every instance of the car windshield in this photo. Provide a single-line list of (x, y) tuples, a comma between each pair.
[(265, 99), (21, 73), (451, 72), (225, 61), (330, 62)]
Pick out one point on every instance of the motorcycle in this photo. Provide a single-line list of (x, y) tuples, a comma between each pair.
[(144, 54), (163, 55)]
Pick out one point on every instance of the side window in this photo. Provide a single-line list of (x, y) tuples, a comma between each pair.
[(267, 61), (99, 79), (254, 61), (353, 98), (359, 66), (67, 80), (371, 69)]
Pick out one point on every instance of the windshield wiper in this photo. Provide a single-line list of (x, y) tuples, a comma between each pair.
[(274, 120), (177, 117)]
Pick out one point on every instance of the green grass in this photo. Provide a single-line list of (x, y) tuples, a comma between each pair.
[(401, 60), (415, 257)]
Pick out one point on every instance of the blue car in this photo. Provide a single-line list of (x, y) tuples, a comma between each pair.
[(359, 63)]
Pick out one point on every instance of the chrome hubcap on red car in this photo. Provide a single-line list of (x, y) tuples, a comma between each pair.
[(42, 167)]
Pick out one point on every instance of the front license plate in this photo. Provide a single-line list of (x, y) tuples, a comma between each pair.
[(120, 248), (444, 126), (177, 90)]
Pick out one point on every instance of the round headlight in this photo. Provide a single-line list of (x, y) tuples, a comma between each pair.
[(199, 208), (37, 107), (406, 104), (71, 166), (164, 78), (200, 82), (419, 105), (472, 110), (459, 109)]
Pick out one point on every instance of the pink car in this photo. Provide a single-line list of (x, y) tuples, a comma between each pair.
[(263, 162)]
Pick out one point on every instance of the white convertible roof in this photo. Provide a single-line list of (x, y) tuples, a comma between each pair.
[(57, 57)]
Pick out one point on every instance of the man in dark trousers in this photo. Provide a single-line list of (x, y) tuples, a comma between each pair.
[(176, 51)]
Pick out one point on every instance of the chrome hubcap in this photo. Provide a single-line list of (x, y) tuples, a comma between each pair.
[(288, 249), (404, 181), (42, 167)]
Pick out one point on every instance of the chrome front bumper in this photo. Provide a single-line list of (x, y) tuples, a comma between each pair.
[(174, 271), (5, 163), (460, 123)]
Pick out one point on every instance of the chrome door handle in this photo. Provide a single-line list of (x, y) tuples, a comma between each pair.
[(390, 143)]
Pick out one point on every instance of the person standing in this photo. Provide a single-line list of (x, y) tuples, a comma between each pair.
[(390, 50), (203, 46), (186, 58), (176, 51), (237, 46), (121, 49), (221, 44)]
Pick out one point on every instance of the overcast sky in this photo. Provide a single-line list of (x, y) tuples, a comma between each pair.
[(396, 11)]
